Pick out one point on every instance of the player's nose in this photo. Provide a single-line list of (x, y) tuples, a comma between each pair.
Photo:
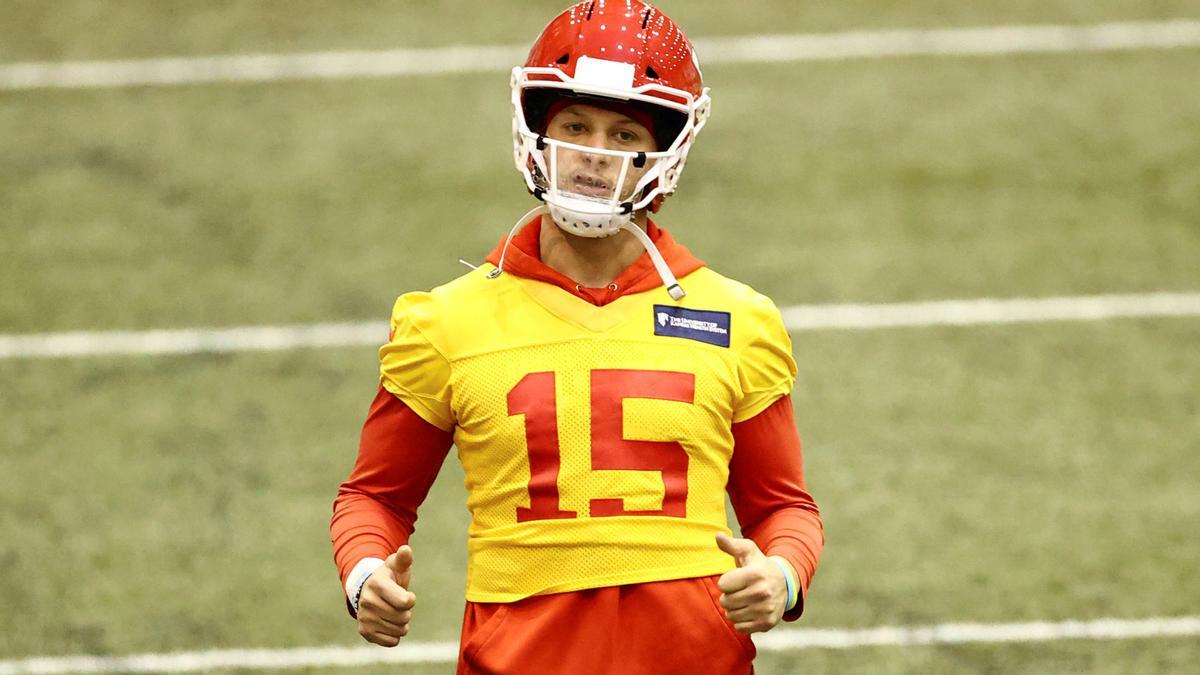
[(595, 159)]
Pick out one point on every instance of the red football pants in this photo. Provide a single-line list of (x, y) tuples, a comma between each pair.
[(654, 628)]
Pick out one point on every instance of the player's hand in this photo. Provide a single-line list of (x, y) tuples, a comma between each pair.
[(755, 594), (385, 604)]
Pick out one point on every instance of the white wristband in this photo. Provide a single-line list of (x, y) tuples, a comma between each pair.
[(358, 577)]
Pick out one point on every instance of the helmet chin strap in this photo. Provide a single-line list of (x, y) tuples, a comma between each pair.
[(664, 272), (540, 209)]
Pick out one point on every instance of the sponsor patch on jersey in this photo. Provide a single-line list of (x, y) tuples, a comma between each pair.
[(693, 324)]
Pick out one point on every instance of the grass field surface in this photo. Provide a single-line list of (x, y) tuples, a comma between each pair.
[(987, 474), (88, 29)]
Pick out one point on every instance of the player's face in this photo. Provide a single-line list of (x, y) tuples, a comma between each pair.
[(589, 174)]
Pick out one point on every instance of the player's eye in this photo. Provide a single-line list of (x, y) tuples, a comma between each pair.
[(625, 136), (574, 128)]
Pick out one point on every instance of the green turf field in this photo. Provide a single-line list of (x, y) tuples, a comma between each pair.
[(986, 474)]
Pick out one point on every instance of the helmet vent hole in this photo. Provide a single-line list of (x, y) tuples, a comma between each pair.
[(651, 73), (646, 19), (590, 8), (562, 60)]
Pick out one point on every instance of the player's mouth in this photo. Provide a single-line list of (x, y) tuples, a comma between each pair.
[(590, 186)]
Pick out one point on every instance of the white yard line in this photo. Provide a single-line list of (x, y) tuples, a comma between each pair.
[(990, 311), (991, 40), (193, 340), (777, 640), (797, 318), (960, 633)]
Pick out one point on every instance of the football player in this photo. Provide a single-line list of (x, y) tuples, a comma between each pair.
[(604, 390)]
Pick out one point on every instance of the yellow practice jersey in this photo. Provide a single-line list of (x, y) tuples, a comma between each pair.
[(595, 440)]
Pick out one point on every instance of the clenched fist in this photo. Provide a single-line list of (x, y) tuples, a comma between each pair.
[(385, 604)]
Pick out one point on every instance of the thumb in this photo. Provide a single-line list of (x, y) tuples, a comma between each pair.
[(742, 550), (400, 563)]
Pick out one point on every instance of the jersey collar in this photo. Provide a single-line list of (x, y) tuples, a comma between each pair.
[(524, 259)]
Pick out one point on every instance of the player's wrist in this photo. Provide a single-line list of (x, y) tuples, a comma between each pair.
[(790, 581), (358, 578)]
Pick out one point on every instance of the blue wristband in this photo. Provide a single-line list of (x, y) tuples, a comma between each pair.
[(792, 598)]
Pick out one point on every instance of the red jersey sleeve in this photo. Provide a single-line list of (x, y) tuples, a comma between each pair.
[(399, 456), (766, 488)]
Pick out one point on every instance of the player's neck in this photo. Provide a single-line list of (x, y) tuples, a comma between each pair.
[(592, 263)]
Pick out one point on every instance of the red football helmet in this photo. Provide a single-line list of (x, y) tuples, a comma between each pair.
[(624, 51)]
